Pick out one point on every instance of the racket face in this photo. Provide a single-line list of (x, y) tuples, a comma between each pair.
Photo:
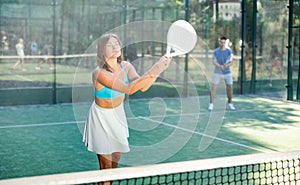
[(181, 38)]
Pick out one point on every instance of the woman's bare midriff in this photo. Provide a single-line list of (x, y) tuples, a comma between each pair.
[(109, 103)]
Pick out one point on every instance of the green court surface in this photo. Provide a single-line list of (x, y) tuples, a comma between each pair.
[(46, 139)]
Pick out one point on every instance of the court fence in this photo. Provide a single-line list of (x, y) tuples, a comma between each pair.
[(71, 27)]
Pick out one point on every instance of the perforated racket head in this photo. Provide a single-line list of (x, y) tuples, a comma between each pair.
[(181, 38)]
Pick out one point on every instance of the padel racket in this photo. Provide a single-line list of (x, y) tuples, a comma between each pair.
[(229, 59), (181, 38)]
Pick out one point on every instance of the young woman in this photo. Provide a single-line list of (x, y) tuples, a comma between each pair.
[(106, 129), (20, 51)]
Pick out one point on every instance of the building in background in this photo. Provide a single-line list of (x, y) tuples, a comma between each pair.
[(228, 9)]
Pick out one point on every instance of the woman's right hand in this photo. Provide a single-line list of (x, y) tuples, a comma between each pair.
[(161, 65)]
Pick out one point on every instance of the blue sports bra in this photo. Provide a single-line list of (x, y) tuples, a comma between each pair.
[(109, 93)]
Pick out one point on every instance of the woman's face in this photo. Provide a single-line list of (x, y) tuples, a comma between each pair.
[(112, 49)]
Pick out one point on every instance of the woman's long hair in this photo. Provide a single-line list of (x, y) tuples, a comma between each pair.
[(102, 41)]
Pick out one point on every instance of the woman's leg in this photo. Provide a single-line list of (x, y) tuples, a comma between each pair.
[(22, 64), (105, 162), (115, 159), (17, 63)]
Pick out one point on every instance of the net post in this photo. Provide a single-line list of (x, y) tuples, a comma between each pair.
[(186, 66), (54, 4), (289, 85)]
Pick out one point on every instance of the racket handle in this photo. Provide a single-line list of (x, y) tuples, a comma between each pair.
[(168, 51)]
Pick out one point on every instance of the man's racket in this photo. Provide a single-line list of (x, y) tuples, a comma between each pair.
[(181, 38), (229, 59)]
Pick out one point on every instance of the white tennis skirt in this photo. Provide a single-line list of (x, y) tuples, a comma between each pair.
[(106, 130)]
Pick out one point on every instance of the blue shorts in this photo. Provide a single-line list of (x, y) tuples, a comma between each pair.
[(217, 77)]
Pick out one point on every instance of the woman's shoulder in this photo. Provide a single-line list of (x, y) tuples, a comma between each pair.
[(101, 73), (98, 70), (125, 63)]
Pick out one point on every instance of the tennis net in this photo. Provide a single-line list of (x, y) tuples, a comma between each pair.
[(270, 168)]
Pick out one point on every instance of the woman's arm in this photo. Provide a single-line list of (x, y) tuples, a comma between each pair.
[(146, 81), (133, 75), (149, 84), (140, 83)]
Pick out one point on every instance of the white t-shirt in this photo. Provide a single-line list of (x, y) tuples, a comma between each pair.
[(19, 48)]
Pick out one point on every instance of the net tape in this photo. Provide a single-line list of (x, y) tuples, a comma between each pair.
[(271, 168)]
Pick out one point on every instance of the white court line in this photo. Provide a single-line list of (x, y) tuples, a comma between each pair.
[(39, 124), (205, 135), (22, 77), (76, 122), (140, 117), (216, 111)]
